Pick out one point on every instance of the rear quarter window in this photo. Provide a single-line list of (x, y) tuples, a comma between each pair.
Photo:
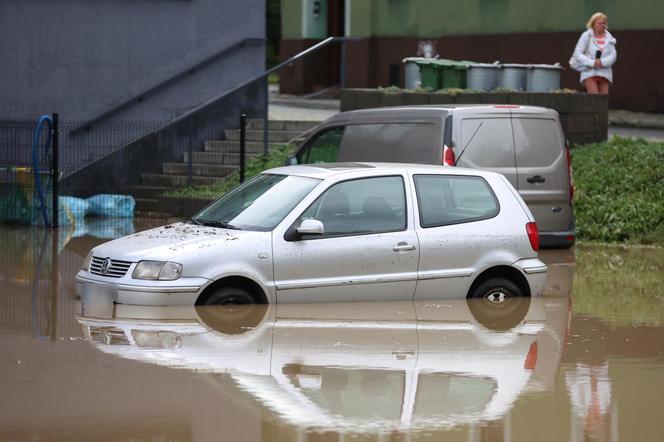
[(538, 141), (447, 199)]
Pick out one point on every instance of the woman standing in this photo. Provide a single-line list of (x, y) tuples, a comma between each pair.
[(594, 54)]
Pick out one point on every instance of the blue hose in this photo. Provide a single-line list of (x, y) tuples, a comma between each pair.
[(35, 162)]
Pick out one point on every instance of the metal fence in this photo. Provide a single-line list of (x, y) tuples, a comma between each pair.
[(140, 159)]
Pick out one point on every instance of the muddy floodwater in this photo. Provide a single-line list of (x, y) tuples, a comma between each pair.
[(583, 362)]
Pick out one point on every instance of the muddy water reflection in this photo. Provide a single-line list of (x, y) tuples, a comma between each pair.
[(584, 362)]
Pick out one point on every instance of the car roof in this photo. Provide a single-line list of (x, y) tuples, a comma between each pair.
[(431, 110), (326, 170)]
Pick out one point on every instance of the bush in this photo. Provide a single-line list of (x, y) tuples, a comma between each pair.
[(276, 158), (620, 191)]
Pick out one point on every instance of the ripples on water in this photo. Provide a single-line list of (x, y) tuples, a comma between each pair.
[(584, 362)]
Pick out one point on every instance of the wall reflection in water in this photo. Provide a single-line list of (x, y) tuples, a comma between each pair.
[(360, 367)]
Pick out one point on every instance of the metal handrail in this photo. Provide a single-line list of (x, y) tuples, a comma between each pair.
[(328, 41), (137, 98)]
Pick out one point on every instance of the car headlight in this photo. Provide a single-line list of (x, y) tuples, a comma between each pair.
[(157, 270), (87, 261)]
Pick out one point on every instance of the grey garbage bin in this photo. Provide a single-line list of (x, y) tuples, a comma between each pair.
[(513, 76), (413, 78), (483, 76), (543, 77)]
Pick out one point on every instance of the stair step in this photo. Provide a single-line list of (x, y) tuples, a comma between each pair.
[(146, 191), (274, 136), (290, 125), (254, 147), (173, 182), (213, 157), (147, 205), (197, 169)]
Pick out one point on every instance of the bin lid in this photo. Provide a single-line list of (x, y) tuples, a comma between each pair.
[(516, 65), (495, 65), (546, 66), (416, 59)]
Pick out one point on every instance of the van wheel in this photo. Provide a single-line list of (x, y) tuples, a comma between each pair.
[(228, 296), (497, 291)]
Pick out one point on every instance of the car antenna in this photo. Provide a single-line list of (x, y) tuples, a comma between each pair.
[(468, 143)]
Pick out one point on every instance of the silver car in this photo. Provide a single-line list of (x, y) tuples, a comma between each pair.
[(332, 232)]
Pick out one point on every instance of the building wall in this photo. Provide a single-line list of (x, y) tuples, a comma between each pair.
[(517, 31), (81, 57)]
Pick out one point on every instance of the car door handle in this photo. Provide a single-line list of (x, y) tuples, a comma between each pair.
[(536, 179), (403, 354), (403, 247)]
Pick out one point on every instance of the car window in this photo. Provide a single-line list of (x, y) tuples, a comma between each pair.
[(258, 204), (393, 142), (323, 148), (538, 141), (367, 205), (444, 395), (343, 392), (486, 142), (447, 199)]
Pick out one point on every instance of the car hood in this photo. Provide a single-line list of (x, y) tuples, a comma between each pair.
[(166, 242)]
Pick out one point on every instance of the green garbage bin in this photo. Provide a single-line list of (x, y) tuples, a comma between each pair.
[(453, 73), (430, 74), (443, 74)]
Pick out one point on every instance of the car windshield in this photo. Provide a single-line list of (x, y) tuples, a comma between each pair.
[(259, 204)]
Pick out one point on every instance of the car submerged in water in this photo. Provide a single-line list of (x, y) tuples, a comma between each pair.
[(332, 232)]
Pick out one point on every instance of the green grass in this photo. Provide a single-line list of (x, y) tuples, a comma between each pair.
[(620, 284), (619, 191), (276, 158)]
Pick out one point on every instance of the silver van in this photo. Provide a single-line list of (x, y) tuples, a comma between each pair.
[(524, 143)]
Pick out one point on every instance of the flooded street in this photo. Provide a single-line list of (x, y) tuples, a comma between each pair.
[(584, 362)]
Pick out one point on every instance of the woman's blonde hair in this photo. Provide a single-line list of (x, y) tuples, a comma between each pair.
[(596, 16)]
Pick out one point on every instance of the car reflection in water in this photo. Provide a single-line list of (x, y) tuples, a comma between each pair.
[(367, 367)]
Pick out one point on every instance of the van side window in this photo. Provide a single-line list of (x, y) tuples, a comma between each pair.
[(361, 206), (538, 142), (323, 148), (447, 199), (486, 142)]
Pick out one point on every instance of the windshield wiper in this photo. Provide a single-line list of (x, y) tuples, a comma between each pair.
[(192, 220), (218, 224)]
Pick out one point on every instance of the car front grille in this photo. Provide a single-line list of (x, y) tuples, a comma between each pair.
[(117, 268)]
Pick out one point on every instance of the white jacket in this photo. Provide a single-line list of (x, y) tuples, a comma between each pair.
[(585, 50)]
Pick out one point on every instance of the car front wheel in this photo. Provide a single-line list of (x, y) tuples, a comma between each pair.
[(229, 296)]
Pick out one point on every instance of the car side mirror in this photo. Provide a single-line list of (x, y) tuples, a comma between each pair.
[(311, 227), (291, 161)]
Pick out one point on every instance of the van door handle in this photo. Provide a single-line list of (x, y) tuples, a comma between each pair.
[(536, 179), (403, 247)]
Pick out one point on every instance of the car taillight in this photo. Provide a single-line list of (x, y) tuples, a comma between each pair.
[(448, 156), (531, 357), (533, 235), (569, 171)]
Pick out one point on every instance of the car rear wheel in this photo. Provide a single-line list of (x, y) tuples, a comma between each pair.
[(496, 291)]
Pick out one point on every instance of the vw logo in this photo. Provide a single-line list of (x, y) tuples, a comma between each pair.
[(105, 266)]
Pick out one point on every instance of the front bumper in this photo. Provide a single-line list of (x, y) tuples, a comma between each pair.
[(183, 291)]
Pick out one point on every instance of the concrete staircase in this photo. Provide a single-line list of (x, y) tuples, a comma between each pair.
[(218, 159)]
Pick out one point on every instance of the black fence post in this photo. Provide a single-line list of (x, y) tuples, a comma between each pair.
[(266, 89), (243, 144), (55, 172), (190, 156)]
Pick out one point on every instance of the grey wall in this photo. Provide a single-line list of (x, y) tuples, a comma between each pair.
[(81, 57)]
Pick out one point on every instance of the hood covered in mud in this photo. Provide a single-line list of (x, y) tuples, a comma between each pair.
[(166, 242)]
